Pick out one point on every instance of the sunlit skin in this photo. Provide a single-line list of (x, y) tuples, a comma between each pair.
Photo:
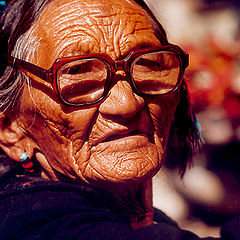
[(118, 144)]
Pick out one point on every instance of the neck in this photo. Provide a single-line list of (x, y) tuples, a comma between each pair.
[(136, 202), (133, 200)]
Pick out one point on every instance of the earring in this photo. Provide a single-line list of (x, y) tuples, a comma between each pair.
[(3, 6), (27, 164)]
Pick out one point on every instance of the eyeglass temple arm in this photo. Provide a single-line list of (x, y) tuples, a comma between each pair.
[(186, 59), (35, 70)]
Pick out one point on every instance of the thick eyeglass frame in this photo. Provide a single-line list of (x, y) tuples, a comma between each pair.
[(50, 75)]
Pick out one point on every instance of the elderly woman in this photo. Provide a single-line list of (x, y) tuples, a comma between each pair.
[(89, 91)]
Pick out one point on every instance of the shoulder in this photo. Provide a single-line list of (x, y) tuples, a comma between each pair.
[(30, 205), (30, 190), (33, 208)]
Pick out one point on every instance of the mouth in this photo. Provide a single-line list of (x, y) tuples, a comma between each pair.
[(120, 136)]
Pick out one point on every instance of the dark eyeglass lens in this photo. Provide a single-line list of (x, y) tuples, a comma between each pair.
[(156, 73), (82, 81)]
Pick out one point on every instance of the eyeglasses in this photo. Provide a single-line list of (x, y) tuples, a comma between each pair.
[(86, 80)]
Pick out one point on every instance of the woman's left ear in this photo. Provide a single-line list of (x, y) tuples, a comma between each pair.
[(13, 140)]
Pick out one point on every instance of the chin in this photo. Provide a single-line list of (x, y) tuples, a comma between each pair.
[(124, 162), (121, 169)]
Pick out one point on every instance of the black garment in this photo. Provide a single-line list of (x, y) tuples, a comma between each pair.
[(33, 208)]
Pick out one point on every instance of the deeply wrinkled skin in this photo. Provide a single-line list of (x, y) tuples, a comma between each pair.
[(118, 144), (75, 141)]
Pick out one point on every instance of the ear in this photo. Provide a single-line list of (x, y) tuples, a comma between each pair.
[(13, 139)]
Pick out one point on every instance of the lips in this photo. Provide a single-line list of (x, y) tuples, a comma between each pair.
[(108, 131), (118, 136)]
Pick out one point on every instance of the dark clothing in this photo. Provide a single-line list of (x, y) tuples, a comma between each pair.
[(33, 208)]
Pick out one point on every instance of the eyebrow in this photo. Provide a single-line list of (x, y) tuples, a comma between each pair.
[(140, 46)]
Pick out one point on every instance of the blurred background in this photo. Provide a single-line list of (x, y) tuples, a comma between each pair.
[(209, 193)]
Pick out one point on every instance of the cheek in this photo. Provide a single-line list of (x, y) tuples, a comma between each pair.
[(162, 113), (57, 131)]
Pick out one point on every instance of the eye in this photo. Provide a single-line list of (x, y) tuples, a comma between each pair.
[(78, 68), (150, 64), (156, 73), (82, 81)]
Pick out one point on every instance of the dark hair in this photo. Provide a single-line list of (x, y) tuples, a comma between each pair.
[(17, 20)]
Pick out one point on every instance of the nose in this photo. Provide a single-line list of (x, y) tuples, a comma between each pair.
[(121, 101)]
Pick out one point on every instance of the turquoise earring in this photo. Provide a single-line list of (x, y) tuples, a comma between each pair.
[(27, 164), (3, 6)]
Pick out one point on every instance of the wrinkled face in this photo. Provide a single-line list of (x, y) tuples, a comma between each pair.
[(119, 140)]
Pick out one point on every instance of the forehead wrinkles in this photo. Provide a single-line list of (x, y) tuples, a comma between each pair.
[(91, 26)]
